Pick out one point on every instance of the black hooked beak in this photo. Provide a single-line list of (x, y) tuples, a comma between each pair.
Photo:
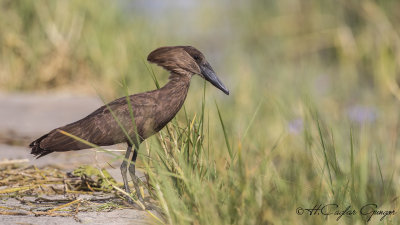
[(209, 75)]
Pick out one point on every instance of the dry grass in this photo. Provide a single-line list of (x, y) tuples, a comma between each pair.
[(49, 191)]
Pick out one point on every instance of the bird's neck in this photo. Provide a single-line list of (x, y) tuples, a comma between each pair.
[(171, 98), (176, 89)]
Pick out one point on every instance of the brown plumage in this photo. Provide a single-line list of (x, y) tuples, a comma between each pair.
[(152, 110)]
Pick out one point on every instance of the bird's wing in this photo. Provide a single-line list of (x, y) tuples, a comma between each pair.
[(100, 127)]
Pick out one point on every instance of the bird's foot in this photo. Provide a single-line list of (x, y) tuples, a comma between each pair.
[(130, 200), (139, 202)]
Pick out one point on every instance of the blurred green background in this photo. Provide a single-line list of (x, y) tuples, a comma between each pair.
[(313, 114)]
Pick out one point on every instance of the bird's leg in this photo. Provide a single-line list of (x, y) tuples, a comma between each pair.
[(124, 167), (135, 179)]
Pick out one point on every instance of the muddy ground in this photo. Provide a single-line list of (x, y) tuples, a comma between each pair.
[(24, 117)]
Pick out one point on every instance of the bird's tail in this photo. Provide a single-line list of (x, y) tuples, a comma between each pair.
[(37, 150)]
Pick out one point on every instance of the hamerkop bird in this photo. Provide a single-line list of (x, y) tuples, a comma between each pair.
[(152, 110)]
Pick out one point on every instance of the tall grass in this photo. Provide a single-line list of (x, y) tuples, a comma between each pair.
[(313, 115), (238, 186)]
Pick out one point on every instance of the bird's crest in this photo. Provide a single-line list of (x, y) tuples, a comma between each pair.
[(176, 59)]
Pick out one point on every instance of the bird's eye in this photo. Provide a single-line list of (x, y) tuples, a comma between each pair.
[(196, 57)]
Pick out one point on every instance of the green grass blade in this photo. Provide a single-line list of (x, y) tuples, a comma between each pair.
[(152, 74), (88, 143), (352, 171), (119, 123), (224, 130), (324, 150), (252, 120), (380, 172), (128, 100), (203, 103)]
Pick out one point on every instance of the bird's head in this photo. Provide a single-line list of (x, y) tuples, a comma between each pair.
[(186, 61)]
